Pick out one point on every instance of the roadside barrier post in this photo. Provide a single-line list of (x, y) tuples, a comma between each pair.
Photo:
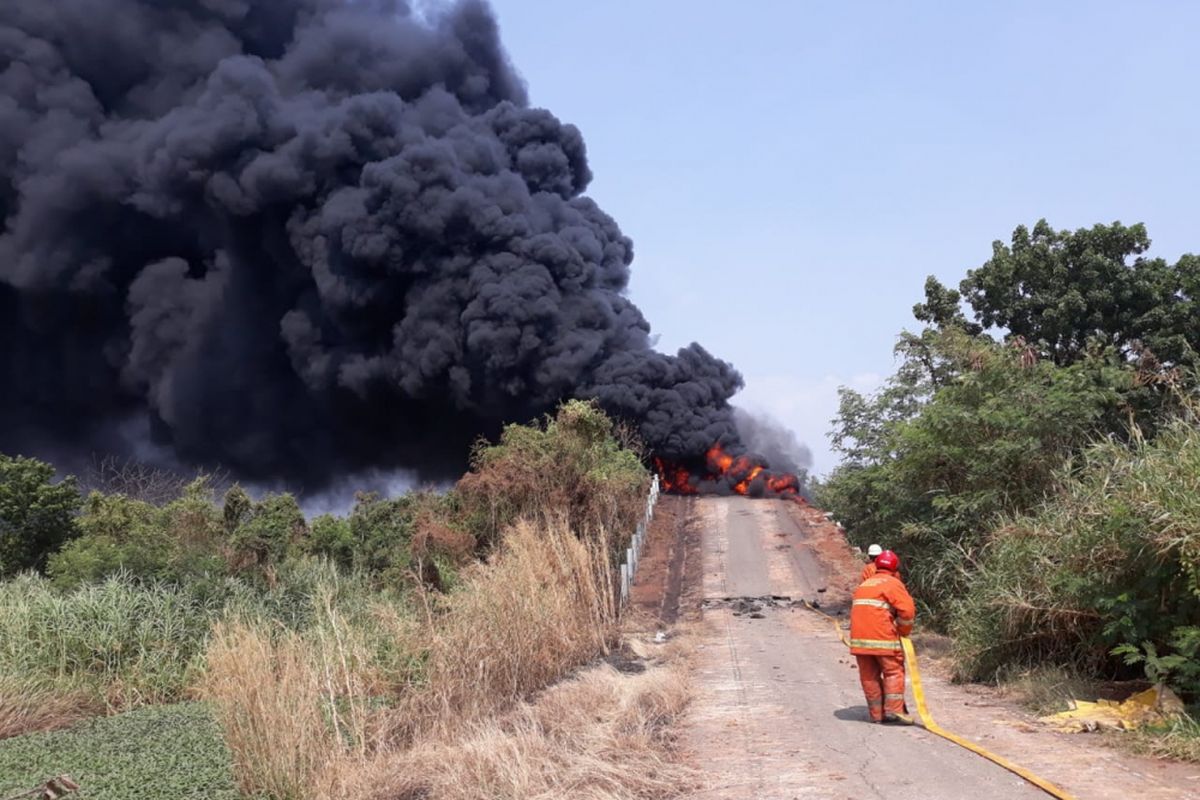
[(633, 553)]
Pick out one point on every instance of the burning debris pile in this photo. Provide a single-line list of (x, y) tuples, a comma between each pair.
[(306, 239), (722, 473)]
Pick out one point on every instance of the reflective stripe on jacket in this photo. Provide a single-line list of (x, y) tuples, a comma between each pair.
[(868, 571), (882, 611)]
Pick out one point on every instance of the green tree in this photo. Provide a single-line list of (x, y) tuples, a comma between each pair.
[(1064, 291), (943, 308), (179, 540), (967, 430), (36, 515), (331, 537)]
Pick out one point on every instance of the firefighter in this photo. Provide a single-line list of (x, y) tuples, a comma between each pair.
[(882, 612), (872, 553)]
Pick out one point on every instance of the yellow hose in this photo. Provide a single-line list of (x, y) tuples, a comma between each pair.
[(914, 672), (927, 719)]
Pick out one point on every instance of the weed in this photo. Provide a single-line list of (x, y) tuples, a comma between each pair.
[(1179, 740), (165, 751)]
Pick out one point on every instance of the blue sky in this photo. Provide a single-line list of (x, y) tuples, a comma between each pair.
[(791, 171)]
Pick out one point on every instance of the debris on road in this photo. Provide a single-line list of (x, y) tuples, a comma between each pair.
[(1155, 706)]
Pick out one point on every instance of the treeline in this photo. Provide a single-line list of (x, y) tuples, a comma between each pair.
[(321, 645), (160, 528), (1036, 458)]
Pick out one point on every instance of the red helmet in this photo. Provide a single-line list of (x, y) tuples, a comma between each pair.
[(888, 560)]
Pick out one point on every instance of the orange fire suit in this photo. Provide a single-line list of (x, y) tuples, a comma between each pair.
[(868, 571), (882, 611)]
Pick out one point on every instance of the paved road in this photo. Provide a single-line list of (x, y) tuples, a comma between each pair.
[(778, 712)]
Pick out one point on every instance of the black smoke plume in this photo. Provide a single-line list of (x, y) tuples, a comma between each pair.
[(775, 443), (302, 238)]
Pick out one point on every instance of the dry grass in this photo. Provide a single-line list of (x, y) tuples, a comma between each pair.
[(27, 707), (1180, 741), (1047, 689), (290, 705), (602, 735), (297, 709), (542, 606)]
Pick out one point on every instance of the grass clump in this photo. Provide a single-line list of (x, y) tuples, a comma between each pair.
[(1047, 689), (1179, 740), (29, 704), (125, 642), (165, 751)]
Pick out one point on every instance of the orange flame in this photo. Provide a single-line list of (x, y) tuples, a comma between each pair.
[(737, 472), (674, 478)]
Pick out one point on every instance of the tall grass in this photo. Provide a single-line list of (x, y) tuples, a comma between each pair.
[(287, 710), (125, 642), (1113, 559), (299, 709), (542, 606), (128, 643)]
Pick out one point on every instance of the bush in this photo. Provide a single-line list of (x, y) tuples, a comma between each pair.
[(121, 534), (572, 464), (263, 534), (1112, 561), (947, 449), (36, 514), (332, 538)]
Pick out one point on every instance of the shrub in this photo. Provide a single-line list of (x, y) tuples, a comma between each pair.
[(121, 534), (1112, 561), (333, 538), (265, 533), (36, 514), (571, 464), (382, 531), (928, 477)]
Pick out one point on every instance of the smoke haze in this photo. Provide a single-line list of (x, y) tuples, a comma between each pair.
[(774, 441)]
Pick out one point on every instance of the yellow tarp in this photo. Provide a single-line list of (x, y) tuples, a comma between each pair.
[(1152, 707)]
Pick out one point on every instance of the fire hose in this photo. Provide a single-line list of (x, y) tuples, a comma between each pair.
[(910, 656)]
